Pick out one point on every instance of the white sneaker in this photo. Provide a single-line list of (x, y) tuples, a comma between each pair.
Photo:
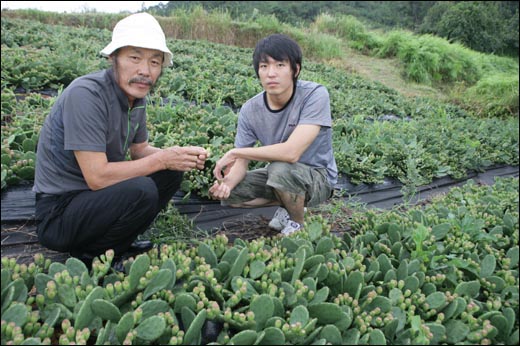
[(280, 219), (291, 227)]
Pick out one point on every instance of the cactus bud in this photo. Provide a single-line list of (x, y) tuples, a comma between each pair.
[(70, 332)]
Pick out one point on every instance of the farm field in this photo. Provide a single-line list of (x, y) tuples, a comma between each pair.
[(440, 272)]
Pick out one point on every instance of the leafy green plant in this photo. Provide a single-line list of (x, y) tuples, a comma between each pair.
[(377, 133)]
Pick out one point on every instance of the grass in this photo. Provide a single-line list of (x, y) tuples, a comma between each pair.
[(385, 71)]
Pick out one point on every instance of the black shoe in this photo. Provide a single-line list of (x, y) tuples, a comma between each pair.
[(118, 264), (137, 247), (140, 245)]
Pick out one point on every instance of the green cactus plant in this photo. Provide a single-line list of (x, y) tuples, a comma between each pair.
[(151, 328), (106, 310), (193, 333), (263, 308), (85, 314)]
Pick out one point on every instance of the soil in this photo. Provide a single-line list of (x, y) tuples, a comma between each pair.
[(21, 242)]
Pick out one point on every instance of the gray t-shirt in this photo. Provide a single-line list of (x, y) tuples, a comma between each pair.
[(310, 104), (92, 114)]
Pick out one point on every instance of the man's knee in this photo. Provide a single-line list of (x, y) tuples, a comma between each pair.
[(279, 168), (142, 189)]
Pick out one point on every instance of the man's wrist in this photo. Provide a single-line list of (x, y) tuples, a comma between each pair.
[(162, 163)]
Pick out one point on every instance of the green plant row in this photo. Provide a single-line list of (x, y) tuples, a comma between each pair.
[(413, 150), (446, 273)]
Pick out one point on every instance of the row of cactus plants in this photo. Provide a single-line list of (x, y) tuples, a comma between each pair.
[(445, 273)]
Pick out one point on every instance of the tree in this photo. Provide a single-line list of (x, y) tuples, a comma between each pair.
[(511, 35), (480, 25)]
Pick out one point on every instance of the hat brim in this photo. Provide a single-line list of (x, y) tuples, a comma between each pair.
[(112, 47)]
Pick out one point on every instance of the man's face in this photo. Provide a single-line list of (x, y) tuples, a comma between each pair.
[(138, 70), (276, 77)]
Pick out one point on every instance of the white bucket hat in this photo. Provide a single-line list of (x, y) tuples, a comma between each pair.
[(139, 30)]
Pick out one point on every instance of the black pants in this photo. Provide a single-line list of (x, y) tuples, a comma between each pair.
[(111, 218)]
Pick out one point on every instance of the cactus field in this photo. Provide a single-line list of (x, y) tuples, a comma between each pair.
[(443, 272)]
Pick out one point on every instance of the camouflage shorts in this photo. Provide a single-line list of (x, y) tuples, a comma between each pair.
[(294, 178)]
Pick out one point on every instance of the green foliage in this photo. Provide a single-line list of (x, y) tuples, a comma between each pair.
[(318, 45), (431, 60), (350, 30), (170, 226), (477, 25), (446, 272), (50, 58), (490, 26), (495, 94)]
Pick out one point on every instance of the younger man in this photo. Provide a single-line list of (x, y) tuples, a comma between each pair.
[(292, 122)]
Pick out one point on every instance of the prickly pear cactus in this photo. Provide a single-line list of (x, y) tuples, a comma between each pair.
[(446, 273)]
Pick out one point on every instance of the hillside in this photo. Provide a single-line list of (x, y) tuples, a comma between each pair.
[(42, 54), (387, 72), (415, 65)]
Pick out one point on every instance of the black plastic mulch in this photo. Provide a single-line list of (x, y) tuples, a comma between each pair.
[(19, 239)]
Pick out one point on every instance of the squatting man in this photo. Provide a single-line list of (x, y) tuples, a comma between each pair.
[(291, 121), (89, 197)]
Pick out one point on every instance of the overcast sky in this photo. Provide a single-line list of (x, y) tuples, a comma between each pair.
[(80, 6)]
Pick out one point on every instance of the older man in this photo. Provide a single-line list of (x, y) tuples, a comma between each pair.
[(89, 196)]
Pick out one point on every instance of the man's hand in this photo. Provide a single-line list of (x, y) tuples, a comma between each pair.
[(224, 165), (183, 158), (220, 190)]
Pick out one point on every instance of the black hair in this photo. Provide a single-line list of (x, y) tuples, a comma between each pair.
[(279, 47)]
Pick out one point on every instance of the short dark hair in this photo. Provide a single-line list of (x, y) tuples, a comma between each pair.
[(279, 47)]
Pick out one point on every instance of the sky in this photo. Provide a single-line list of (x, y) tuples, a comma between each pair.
[(80, 6)]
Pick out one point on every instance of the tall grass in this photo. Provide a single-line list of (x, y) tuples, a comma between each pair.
[(434, 61), (429, 59), (424, 59), (494, 95), (317, 45), (490, 83), (491, 64), (197, 24), (349, 29)]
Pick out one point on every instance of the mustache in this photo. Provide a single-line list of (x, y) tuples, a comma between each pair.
[(142, 80)]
